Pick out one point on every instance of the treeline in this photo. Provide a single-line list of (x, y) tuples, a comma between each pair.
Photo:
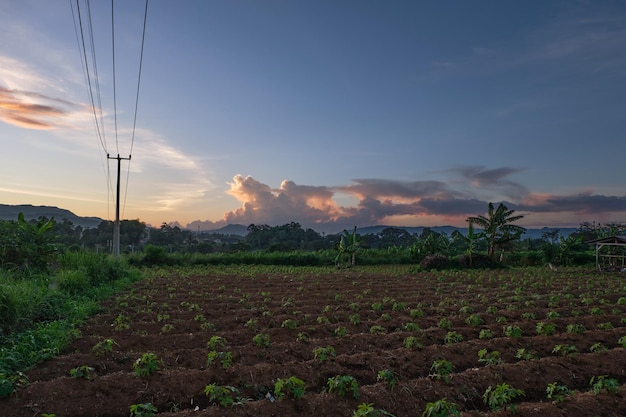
[(34, 243)]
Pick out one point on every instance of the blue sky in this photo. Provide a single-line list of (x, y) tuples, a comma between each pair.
[(331, 114)]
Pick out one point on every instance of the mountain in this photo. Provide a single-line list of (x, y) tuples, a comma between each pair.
[(9, 212), (230, 229)]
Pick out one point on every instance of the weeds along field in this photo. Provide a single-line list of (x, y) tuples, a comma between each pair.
[(375, 341)]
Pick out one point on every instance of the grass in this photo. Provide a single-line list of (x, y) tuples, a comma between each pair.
[(40, 314)]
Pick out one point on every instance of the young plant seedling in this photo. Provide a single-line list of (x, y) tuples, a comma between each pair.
[(146, 365), (324, 353), (388, 376), (83, 371), (291, 386), (441, 408), (500, 397), (143, 410), (223, 395), (557, 392), (341, 384)]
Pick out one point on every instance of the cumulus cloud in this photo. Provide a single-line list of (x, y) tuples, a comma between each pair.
[(384, 201)]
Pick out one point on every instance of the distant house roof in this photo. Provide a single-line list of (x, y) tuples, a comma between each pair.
[(616, 239)]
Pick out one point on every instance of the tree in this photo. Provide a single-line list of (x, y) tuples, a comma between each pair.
[(348, 245), (497, 227), (470, 241)]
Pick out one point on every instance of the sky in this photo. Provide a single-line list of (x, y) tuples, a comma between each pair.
[(332, 114)]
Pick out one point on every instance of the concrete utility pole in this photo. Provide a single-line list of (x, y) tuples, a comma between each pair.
[(116, 225)]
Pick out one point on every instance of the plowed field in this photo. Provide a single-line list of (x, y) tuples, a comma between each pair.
[(527, 328)]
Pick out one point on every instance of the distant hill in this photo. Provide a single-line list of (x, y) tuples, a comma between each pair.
[(10, 212), (230, 229)]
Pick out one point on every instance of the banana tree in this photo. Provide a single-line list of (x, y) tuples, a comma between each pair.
[(348, 245), (470, 241)]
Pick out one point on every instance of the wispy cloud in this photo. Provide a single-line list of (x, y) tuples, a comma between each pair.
[(32, 110)]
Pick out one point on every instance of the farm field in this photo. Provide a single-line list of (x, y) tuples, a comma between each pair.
[(218, 341)]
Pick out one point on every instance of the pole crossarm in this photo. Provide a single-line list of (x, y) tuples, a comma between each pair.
[(116, 225)]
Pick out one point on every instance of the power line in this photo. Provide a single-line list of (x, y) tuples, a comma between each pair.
[(132, 141), (83, 51), (114, 89)]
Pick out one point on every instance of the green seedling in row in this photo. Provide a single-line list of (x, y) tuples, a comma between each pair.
[(412, 342), (146, 365), (385, 316), (223, 395), (166, 328), (489, 358), (485, 334), (216, 342), (453, 337), (354, 319), (291, 386), (368, 410), (121, 322), (512, 331), (441, 408), (474, 320), (575, 328), (557, 392), (444, 323), (564, 350), (83, 371), (341, 331), (622, 341), (441, 370), (545, 329), (341, 384), (598, 347), (103, 347), (289, 324), (525, 354), (411, 327), (143, 410), (606, 326), (377, 329), (388, 376), (500, 397), (324, 353), (302, 337), (225, 358), (600, 384), (261, 340)]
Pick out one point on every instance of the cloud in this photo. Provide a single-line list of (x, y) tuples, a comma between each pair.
[(32, 110), (494, 179), (384, 201)]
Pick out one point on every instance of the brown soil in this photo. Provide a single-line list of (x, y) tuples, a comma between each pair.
[(174, 316)]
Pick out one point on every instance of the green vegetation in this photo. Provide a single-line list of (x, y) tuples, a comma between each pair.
[(557, 392), (223, 395), (501, 396), (341, 384), (441, 408), (601, 384), (143, 410), (368, 410), (146, 365), (291, 386)]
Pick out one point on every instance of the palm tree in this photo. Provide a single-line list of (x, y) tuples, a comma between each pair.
[(497, 227)]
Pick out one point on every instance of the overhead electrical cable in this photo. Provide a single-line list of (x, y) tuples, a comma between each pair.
[(132, 141), (82, 50), (117, 146)]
